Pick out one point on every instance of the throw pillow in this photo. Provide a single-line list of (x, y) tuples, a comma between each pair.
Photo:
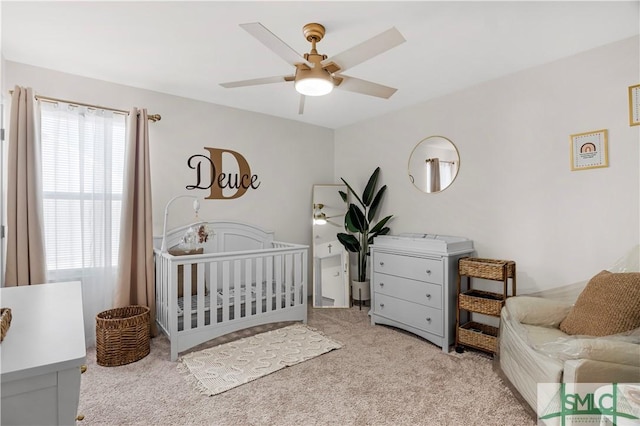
[(609, 304), (194, 270)]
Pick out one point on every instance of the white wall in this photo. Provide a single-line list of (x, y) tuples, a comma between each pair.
[(4, 114), (288, 157), (515, 194)]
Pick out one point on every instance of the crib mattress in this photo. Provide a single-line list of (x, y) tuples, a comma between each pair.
[(220, 299)]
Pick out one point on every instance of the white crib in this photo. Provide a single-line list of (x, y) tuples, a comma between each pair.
[(244, 278)]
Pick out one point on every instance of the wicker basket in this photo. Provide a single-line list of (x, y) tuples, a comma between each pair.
[(5, 322), (479, 336), (490, 269), (483, 302), (122, 335)]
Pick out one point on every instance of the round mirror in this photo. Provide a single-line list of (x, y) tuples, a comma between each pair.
[(434, 164)]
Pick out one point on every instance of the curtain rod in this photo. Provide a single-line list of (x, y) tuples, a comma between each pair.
[(150, 117), (442, 161)]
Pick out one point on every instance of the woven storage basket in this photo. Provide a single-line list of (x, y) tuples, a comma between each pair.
[(490, 269), (483, 302), (122, 335), (5, 322), (485, 339)]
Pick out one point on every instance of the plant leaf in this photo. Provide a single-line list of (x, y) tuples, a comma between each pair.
[(380, 224), (383, 231), (355, 219), (350, 221), (349, 242), (376, 203), (353, 192), (369, 190), (343, 195)]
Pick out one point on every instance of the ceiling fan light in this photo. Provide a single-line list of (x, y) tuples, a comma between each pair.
[(320, 221), (314, 86), (319, 217)]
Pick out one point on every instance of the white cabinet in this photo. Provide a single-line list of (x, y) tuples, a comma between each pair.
[(42, 354), (413, 284)]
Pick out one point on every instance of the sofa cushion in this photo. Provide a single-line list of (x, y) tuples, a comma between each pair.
[(603, 349), (539, 336), (609, 304), (537, 310)]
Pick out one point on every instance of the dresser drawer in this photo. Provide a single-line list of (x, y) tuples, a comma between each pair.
[(416, 268), (412, 314), (427, 294)]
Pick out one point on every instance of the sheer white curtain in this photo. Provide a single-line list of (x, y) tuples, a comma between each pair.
[(82, 168), (440, 174), (447, 172)]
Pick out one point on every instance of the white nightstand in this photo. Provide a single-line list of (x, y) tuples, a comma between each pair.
[(42, 354)]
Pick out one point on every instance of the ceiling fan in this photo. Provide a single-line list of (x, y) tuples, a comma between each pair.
[(317, 75)]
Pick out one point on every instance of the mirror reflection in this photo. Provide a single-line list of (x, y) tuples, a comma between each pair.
[(434, 164), (330, 259)]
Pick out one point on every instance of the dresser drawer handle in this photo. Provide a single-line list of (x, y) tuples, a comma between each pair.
[(428, 296), (381, 284), (428, 319), (428, 271), (381, 263), (382, 305)]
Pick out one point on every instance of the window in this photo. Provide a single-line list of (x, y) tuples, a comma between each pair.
[(82, 166), (82, 178)]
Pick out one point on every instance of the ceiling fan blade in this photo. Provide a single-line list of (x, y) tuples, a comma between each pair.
[(301, 106), (272, 41), (255, 82), (365, 87), (367, 49)]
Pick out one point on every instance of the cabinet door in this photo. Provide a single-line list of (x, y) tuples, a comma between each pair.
[(409, 313), (31, 401), (416, 268), (48, 399), (427, 294)]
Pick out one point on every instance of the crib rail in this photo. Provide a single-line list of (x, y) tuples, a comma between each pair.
[(203, 296)]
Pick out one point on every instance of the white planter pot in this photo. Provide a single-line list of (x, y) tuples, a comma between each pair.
[(360, 290)]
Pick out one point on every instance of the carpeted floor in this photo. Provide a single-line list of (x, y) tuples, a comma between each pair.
[(381, 376)]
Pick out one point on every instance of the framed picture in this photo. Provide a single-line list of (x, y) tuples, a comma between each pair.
[(589, 150), (634, 105)]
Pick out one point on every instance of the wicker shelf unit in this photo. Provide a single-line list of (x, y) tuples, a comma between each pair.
[(475, 334)]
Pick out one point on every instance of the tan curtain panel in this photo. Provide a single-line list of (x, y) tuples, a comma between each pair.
[(136, 282), (434, 171), (26, 262)]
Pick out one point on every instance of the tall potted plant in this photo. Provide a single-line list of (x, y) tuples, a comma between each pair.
[(358, 221)]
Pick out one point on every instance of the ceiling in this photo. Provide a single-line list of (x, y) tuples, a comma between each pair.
[(189, 48)]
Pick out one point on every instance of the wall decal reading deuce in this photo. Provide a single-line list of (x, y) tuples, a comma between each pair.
[(220, 181)]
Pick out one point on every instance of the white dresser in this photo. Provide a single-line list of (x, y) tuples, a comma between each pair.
[(413, 284), (42, 354)]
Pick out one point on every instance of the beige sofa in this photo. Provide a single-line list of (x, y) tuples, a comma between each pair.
[(533, 349)]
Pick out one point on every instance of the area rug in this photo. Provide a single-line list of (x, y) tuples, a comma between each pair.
[(220, 368)]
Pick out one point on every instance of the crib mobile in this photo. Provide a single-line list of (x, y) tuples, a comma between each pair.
[(196, 235)]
